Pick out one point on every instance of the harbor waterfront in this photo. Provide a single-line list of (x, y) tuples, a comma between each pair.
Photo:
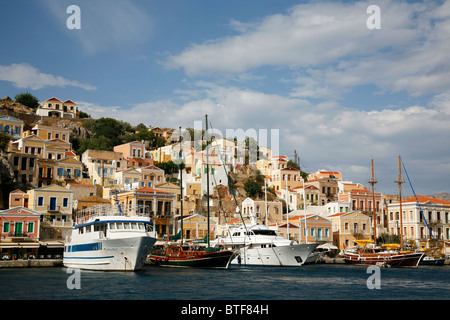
[(309, 282)]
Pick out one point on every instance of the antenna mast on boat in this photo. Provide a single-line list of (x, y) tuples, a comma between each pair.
[(400, 195), (181, 187), (265, 201), (207, 174), (372, 182)]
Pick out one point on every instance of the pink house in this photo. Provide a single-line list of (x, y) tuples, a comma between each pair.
[(19, 233), (135, 149)]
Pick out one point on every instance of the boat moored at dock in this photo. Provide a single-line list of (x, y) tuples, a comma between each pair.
[(107, 239), (260, 246)]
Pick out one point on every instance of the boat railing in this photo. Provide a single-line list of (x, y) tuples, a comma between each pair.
[(113, 210)]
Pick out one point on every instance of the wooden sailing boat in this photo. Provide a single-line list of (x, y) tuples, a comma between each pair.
[(177, 254), (391, 255)]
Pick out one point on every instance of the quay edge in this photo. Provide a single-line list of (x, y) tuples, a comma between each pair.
[(31, 263)]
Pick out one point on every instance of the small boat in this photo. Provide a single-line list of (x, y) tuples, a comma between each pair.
[(431, 258), (189, 255), (109, 240), (387, 255)]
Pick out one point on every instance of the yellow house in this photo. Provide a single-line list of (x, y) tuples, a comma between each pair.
[(30, 144), (309, 229), (45, 141), (265, 167), (46, 172), (11, 126), (56, 149), (102, 166), (128, 178), (195, 227), (192, 197), (160, 205), (49, 132), (350, 226), (285, 177), (188, 206), (151, 176), (54, 204), (158, 155), (68, 170)]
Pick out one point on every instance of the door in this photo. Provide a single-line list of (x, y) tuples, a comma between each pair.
[(52, 204), (18, 229), (319, 234)]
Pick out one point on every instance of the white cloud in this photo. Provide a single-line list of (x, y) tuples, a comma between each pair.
[(98, 111), (332, 50), (23, 75)]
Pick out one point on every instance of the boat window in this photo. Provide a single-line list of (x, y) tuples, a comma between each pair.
[(265, 232), (88, 228), (236, 234), (127, 226), (99, 226), (119, 225), (134, 225), (112, 226)]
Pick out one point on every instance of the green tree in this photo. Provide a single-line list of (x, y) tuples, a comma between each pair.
[(27, 99), (252, 188), (169, 167), (292, 164), (83, 115), (4, 141)]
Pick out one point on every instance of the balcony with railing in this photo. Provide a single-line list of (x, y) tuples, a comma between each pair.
[(53, 208)]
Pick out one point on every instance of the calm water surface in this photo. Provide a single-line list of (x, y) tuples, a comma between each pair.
[(312, 282)]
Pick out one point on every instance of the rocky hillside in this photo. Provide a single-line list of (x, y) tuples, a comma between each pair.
[(8, 104), (441, 195)]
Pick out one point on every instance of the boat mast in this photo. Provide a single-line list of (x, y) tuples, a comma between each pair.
[(287, 208), (400, 194), (372, 182), (181, 187), (207, 175), (265, 201), (304, 212)]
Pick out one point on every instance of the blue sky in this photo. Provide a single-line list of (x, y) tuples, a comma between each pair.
[(338, 92)]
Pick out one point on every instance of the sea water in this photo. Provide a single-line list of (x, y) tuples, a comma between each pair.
[(310, 282)]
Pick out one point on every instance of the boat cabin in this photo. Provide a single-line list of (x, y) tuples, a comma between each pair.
[(254, 233), (113, 226)]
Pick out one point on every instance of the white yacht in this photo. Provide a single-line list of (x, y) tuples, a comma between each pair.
[(261, 246), (105, 239)]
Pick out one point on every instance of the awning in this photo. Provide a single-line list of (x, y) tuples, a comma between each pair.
[(52, 244), (25, 245), (327, 246)]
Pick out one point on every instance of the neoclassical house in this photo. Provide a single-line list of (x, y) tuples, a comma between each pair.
[(54, 107)]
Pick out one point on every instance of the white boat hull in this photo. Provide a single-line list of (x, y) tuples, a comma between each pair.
[(283, 256), (125, 254)]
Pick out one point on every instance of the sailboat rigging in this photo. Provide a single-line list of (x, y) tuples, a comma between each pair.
[(431, 255), (368, 253), (192, 255)]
